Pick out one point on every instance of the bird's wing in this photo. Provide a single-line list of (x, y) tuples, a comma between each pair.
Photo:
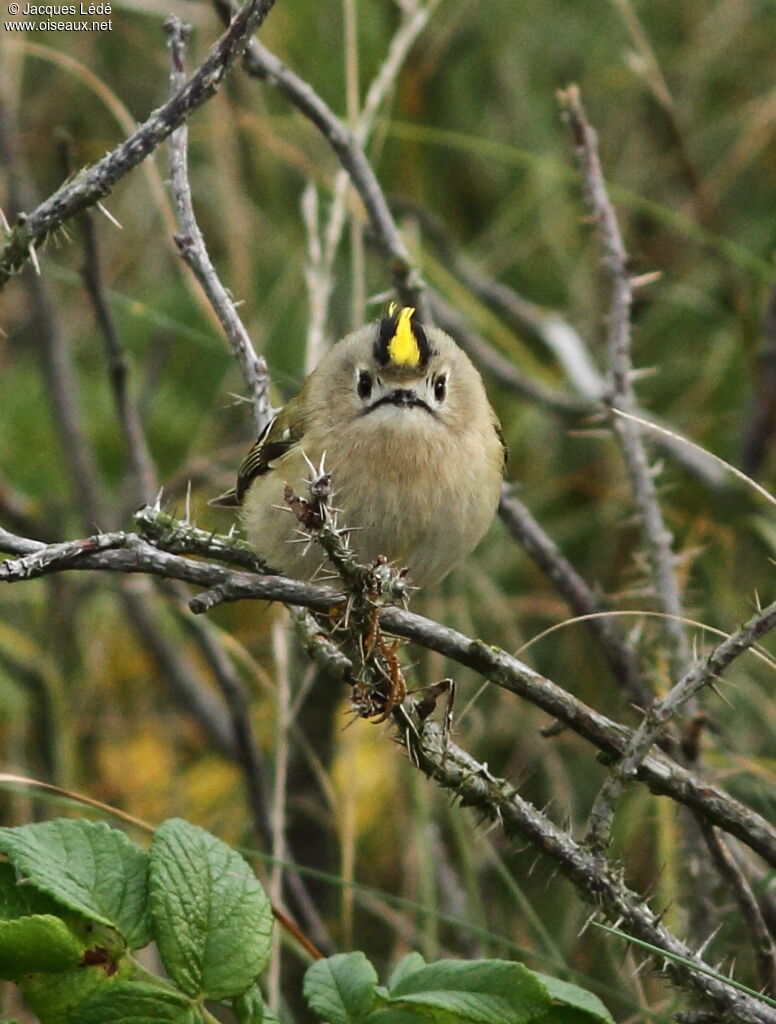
[(281, 434)]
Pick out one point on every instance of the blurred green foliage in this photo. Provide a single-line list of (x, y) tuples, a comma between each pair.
[(472, 135)]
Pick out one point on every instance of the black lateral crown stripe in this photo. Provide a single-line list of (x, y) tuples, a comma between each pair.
[(385, 332)]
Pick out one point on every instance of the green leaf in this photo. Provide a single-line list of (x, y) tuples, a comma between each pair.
[(407, 965), (470, 992), (341, 989), (133, 1002), (20, 900), (249, 1007), (580, 1006), (53, 997), (212, 919), (394, 1015), (37, 943), (562, 1014), (88, 867)]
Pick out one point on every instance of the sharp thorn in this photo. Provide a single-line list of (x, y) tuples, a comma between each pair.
[(33, 258), (104, 210)]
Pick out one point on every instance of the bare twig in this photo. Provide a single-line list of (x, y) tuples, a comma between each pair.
[(60, 378), (702, 674), (193, 250), (657, 536), (415, 17), (659, 772), (277, 838), (317, 277), (143, 484), (581, 599), (352, 105), (733, 875), (237, 702), (97, 181), (261, 63), (492, 362), (648, 68), (183, 679), (522, 316), (320, 270)]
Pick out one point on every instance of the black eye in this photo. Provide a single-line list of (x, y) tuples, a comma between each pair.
[(364, 386), (440, 387)]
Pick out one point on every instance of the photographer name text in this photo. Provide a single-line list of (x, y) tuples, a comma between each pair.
[(62, 10)]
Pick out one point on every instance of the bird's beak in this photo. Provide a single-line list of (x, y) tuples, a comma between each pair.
[(404, 396)]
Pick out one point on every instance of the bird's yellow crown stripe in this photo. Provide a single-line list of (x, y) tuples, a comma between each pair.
[(403, 348)]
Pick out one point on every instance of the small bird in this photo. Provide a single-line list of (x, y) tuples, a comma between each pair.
[(399, 415)]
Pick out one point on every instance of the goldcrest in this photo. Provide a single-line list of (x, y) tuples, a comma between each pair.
[(399, 415)]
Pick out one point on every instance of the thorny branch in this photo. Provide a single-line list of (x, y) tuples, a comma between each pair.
[(541, 548), (496, 799), (95, 182), (192, 246), (702, 674), (135, 554), (730, 871), (656, 534), (378, 684), (657, 537)]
